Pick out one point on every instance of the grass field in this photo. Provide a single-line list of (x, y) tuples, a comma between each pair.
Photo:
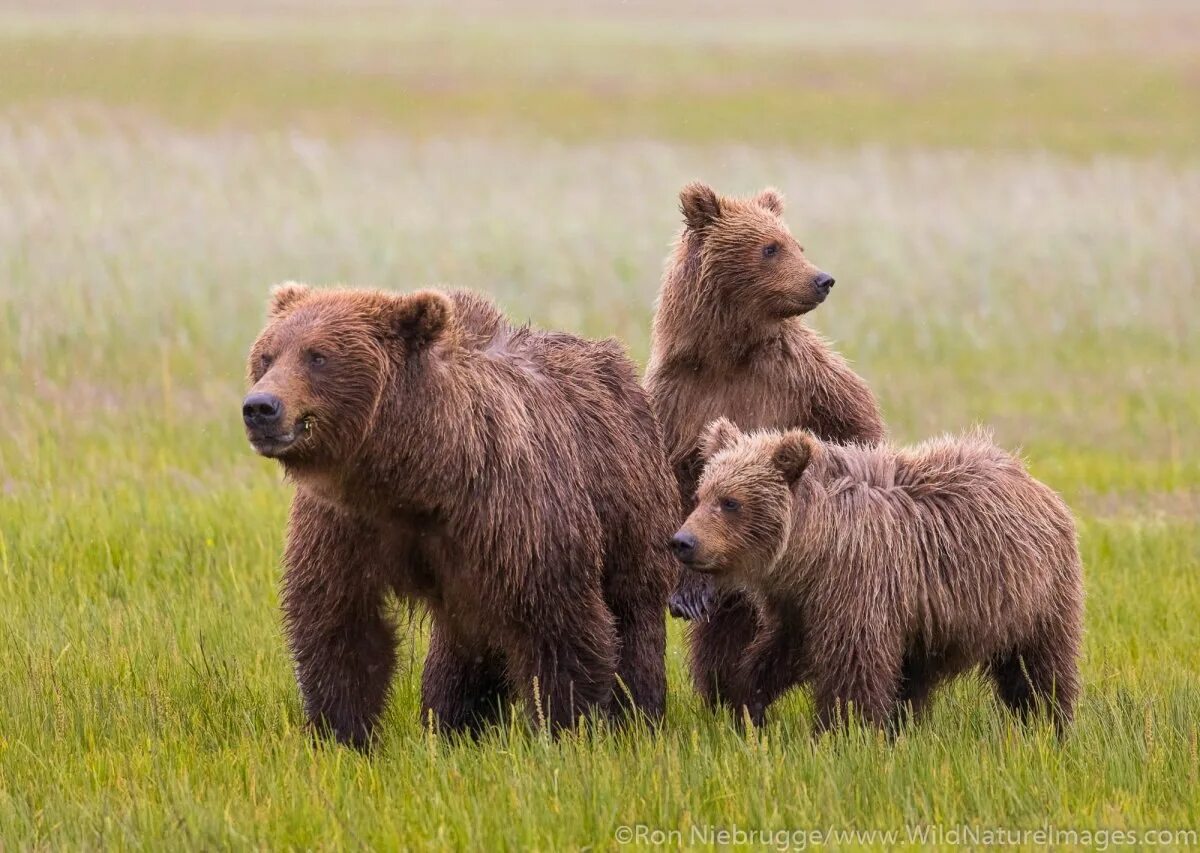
[(1010, 201)]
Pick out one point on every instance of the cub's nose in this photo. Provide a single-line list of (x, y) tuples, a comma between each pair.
[(262, 410), (823, 282), (684, 546)]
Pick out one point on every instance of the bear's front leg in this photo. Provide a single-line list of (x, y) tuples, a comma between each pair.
[(342, 643), (774, 664), (856, 671), (462, 689), (717, 647)]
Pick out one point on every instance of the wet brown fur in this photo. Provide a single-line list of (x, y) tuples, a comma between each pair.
[(511, 480), (728, 340), (880, 573)]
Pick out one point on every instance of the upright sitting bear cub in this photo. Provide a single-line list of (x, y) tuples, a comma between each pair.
[(729, 341), (513, 481), (882, 572)]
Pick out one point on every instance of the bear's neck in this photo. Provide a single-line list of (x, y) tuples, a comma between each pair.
[(695, 329), (418, 455), (809, 540)]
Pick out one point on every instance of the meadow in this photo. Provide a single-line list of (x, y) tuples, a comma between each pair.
[(1010, 201)]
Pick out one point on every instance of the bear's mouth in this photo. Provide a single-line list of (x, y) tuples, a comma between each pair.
[(275, 445), (803, 305), (702, 567)]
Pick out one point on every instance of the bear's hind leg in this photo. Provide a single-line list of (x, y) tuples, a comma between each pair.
[(642, 667), (1043, 674), (920, 675), (566, 667), (461, 689), (636, 581)]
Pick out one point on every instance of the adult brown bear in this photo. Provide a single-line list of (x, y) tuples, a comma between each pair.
[(511, 480)]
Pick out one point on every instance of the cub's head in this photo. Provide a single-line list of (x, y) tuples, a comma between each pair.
[(743, 513), (747, 253), (320, 367)]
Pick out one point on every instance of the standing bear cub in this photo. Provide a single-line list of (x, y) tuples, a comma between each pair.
[(511, 480), (728, 340), (880, 573)]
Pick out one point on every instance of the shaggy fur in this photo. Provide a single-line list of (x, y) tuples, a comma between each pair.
[(511, 480), (882, 572), (728, 340)]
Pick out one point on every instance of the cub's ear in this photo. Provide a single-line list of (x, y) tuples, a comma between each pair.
[(771, 199), (699, 205), (285, 296), (419, 318), (717, 436), (792, 455)]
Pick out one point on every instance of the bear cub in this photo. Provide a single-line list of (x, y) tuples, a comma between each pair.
[(510, 480), (729, 340), (879, 573)]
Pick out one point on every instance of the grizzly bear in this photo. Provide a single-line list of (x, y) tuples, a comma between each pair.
[(512, 481), (728, 340), (880, 573)]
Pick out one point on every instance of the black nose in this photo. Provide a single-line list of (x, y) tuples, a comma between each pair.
[(262, 410), (684, 545), (823, 282)]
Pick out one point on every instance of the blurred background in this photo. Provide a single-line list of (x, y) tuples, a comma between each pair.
[(1008, 193)]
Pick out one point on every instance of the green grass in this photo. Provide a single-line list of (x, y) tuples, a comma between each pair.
[(1047, 288)]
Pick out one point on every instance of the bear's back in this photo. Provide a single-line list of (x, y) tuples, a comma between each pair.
[(969, 466), (935, 470), (585, 413), (970, 541)]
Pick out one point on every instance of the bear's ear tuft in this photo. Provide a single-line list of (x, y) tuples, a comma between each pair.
[(285, 296), (771, 199), (792, 455), (420, 318), (717, 436), (699, 205)]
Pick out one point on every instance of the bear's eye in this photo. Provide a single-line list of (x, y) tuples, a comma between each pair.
[(770, 250), (266, 360), (316, 359), (730, 504)]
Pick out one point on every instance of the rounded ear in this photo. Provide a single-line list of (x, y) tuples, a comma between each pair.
[(771, 199), (699, 205), (717, 436), (420, 318), (792, 455), (285, 296)]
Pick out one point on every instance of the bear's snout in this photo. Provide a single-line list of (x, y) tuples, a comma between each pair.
[(823, 283), (684, 545), (262, 411)]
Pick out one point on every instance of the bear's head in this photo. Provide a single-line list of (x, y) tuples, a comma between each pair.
[(320, 367), (744, 502), (748, 255)]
